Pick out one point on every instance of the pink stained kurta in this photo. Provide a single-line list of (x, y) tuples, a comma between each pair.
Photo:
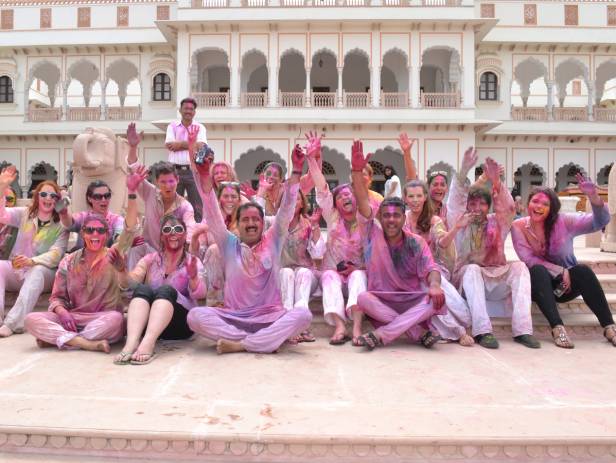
[(253, 312), (150, 270), (89, 294), (397, 281), (444, 258)]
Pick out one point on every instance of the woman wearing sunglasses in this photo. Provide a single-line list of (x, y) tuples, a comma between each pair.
[(8, 233), (98, 197), (39, 246), (166, 285)]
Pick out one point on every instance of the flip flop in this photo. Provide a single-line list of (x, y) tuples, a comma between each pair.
[(359, 341), (149, 358), (338, 342), (369, 340), (307, 336), (124, 358)]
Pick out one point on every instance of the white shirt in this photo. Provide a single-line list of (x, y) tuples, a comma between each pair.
[(177, 132), (397, 192)]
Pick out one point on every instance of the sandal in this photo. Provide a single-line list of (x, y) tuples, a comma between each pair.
[(123, 358), (338, 341), (561, 339), (306, 336), (610, 334), (369, 340), (429, 339), (148, 359), (358, 341)]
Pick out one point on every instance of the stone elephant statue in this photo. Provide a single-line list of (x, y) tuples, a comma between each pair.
[(98, 154)]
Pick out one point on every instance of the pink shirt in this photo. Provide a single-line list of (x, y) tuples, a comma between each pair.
[(176, 131)]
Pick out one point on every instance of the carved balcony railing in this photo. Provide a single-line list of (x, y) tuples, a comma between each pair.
[(519, 113), (356, 99), (83, 114), (44, 114), (440, 100), (123, 113), (254, 99), (394, 100), (604, 114), (210, 3), (212, 99), (324, 99), (292, 99), (570, 114), (441, 2)]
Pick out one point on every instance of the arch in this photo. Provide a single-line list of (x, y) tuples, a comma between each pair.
[(530, 76), (565, 176), (40, 172), (246, 165), (443, 167), (340, 163), (390, 156), (605, 72), (324, 71), (440, 70), (604, 174), (254, 72), (526, 177), (124, 74), (161, 87), (325, 51), (394, 72), (7, 93), (356, 71), (209, 70), (86, 73), (565, 72), (292, 71), (488, 86), (49, 73)]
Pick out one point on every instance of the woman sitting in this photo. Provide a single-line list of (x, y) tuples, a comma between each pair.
[(39, 246), (166, 285), (544, 241)]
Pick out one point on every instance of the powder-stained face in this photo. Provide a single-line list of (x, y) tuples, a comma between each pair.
[(95, 234), (9, 198), (229, 200), (392, 220), (250, 226), (272, 175), (539, 207), (479, 208), (298, 205), (47, 199), (173, 235), (438, 189), (100, 199), (220, 173), (415, 199), (168, 185), (345, 201)]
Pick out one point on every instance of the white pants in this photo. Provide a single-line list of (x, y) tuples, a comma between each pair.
[(334, 287), (30, 285), (296, 286), (453, 324), (515, 283)]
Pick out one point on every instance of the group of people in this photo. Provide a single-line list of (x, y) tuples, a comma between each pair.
[(426, 262)]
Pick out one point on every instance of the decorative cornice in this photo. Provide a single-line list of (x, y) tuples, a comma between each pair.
[(4, 3)]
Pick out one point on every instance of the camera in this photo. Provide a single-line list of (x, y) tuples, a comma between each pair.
[(203, 153), (62, 204)]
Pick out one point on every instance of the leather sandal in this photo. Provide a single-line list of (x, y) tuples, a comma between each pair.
[(561, 339), (610, 334)]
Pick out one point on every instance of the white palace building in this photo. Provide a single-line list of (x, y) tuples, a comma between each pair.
[(530, 83)]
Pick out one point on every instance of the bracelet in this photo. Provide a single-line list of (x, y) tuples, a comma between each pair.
[(297, 172), (357, 171), (132, 196)]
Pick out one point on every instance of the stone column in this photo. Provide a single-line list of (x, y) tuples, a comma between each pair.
[(65, 100), (609, 239), (409, 88), (308, 93), (235, 80), (272, 86), (591, 99), (340, 93), (104, 100), (550, 106)]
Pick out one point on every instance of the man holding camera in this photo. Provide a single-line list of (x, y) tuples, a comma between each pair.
[(176, 142)]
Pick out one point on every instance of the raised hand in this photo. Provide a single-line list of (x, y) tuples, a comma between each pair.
[(358, 160), (465, 220), (134, 179), (116, 258), (586, 185), (492, 170), (405, 142), (66, 319), (132, 136), (313, 145), (297, 159), (8, 176), (468, 160), (138, 241), (247, 190), (193, 133)]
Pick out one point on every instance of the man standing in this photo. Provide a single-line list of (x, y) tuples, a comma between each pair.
[(176, 142), (404, 283), (253, 318), (481, 268)]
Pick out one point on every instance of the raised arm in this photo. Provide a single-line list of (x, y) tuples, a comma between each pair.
[(313, 157), (203, 179), (306, 182), (458, 193), (406, 144), (289, 198), (358, 162), (134, 139), (580, 224), (7, 176), (504, 205)]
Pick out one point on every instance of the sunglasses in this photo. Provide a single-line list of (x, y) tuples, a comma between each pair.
[(438, 172), (177, 229), (233, 184), (91, 230), (99, 196), (54, 196)]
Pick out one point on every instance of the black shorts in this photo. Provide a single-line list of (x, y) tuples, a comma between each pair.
[(177, 327)]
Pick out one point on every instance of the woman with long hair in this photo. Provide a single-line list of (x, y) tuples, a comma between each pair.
[(39, 246), (420, 219), (544, 241), (166, 284)]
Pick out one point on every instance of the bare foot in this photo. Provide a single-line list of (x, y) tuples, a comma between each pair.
[(224, 346), (466, 340), (43, 344), (85, 344), (5, 331)]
